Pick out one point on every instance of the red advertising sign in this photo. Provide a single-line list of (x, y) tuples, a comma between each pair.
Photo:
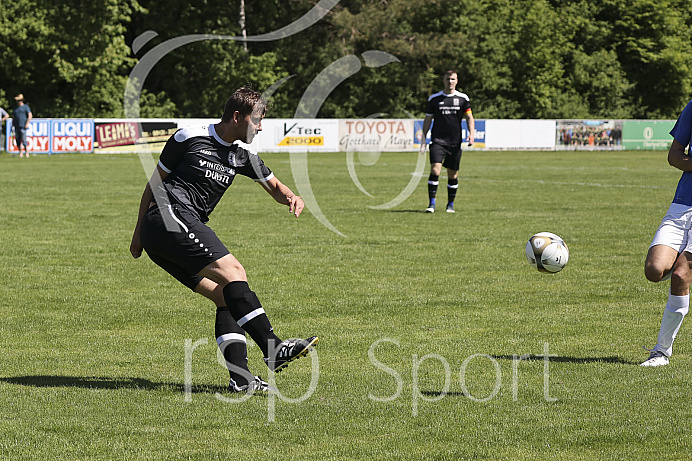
[(117, 134)]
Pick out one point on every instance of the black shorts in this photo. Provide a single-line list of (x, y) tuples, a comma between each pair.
[(186, 250), (448, 156)]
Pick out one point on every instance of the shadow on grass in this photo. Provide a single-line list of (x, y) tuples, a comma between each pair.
[(102, 382), (404, 211), (560, 359), (433, 394)]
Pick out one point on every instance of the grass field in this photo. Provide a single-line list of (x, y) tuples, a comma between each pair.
[(422, 318)]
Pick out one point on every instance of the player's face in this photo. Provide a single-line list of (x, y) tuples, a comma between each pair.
[(450, 82), (252, 125)]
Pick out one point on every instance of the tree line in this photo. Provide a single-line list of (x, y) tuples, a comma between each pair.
[(515, 58)]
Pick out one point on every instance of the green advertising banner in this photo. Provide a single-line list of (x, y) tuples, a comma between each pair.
[(647, 134)]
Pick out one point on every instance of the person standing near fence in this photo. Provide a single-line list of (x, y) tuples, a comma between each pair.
[(21, 117), (3, 116)]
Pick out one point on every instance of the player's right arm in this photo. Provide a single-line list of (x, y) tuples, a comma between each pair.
[(678, 158), (682, 134), (147, 198), (171, 156), (426, 127)]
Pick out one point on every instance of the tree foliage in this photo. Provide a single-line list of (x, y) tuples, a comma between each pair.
[(68, 58), (515, 58)]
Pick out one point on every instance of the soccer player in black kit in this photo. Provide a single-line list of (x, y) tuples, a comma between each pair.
[(196, 167), (447, 108)]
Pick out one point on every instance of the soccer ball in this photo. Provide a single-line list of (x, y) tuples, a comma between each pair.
[(547, 252)]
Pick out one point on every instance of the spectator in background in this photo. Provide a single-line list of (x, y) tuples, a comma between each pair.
[(616, 135), (20, 121), (3, 116)]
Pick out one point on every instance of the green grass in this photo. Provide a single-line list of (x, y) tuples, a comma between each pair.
[(93, 342)]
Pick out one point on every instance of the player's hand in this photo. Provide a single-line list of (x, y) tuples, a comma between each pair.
[(470, 142), (295, 204), (423, 146), (136, 247)]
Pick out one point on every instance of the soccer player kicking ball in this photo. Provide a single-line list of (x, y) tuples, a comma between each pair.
[(196, 167), (447, 108), (670, 253)]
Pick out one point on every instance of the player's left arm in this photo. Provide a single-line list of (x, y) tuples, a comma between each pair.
[(28, 120), (470, 122), (283, 195)]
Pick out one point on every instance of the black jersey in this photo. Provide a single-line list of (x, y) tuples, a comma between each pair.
[(202, 166), (447, 110)]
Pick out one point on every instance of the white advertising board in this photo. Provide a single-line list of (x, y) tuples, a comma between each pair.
[(520, 134), (297, 135), (376, 135)]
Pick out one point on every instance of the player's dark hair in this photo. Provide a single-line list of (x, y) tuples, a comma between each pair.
[(246, 101), (450, 72)]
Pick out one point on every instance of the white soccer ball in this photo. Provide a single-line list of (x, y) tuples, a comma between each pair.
[(547, 252)]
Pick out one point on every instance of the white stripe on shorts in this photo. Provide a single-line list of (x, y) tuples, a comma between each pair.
[(170, 210)]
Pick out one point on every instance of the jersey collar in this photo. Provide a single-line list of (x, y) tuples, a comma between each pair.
[(212, 133)]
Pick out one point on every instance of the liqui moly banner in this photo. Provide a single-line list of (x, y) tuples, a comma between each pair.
[(72, 136), (54, 136), (37, 137)]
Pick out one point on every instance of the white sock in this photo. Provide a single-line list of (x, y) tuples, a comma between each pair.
[(674, 313)]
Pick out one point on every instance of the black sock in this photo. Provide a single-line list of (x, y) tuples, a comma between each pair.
[(433, 182), (233, 345), (452, 186), (247, 311)]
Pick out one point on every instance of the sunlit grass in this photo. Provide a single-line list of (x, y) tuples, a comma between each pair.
[(431, 327)]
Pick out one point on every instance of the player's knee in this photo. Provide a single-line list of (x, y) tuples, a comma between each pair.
[(681, 275), (235, 271), (226, 269), (654, 273)]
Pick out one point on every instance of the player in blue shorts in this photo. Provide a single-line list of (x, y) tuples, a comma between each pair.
[(447, 109), (670, 253), (196, 167)]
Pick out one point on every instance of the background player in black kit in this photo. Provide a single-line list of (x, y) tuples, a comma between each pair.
[(196, 167), (447, 108)]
